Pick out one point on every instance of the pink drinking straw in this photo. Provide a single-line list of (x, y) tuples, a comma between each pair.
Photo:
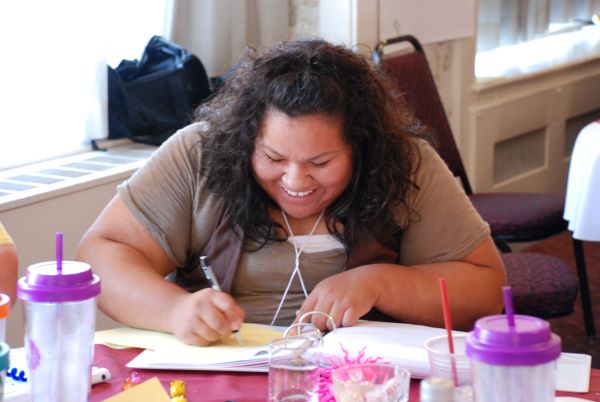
[(59, 251), (448, 325), (508, 306)]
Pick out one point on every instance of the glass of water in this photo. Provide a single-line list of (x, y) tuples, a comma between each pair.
[(371, 382), (293, 369)]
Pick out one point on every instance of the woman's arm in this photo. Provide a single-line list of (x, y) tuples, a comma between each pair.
[(411, 294), (132, 267), (9, 271)]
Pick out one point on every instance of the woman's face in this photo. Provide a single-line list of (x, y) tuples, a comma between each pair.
[(302, 162)]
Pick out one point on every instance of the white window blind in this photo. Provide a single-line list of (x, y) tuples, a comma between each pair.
[(516, 37), (508, 22)]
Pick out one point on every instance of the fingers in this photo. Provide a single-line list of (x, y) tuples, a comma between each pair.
[(231, 311), (215, 317), (350, 317), (338, 310), (330, 315), (206, 317), (199, 333)]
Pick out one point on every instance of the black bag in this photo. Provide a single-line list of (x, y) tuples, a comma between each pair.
[(150, 99)]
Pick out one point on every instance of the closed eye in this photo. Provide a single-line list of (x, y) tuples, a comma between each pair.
[(274, 160), (319, 164)]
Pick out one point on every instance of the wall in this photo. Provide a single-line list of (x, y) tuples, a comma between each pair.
[(513, 134), (522, 132)]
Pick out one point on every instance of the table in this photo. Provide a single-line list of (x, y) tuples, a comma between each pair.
[(213, 386), (582, 207), (582, 202)]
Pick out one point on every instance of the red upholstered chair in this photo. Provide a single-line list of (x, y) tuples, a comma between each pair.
[(543, 286)]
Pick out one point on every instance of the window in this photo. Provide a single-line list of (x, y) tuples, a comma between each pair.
[(53, 80), (521, 36)]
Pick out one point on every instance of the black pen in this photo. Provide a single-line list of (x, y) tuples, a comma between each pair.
[(214, 283)]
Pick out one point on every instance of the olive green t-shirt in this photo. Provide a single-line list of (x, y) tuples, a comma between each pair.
[(171, 199)]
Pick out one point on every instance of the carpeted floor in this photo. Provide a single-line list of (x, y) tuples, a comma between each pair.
[(571, 328)]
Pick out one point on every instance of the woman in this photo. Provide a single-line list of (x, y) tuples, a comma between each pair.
[(304, 183)]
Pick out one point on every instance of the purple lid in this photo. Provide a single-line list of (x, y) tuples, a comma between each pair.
[(528, 343), (46, 282)]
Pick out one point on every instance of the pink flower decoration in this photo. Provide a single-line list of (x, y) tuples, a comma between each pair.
[(333, 362)]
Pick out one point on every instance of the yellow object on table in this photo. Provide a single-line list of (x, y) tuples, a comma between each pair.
[(177, 389)]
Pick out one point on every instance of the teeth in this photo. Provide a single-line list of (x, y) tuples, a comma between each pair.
[(298, 194)]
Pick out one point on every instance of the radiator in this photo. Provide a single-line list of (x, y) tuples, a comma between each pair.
[(65, 195)]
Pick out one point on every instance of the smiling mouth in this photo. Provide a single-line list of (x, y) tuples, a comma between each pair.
[(298, 193)]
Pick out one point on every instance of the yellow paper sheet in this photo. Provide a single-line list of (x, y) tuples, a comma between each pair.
[(148, 391), (254, 337)]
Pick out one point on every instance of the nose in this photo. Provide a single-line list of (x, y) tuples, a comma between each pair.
[(296, 177)]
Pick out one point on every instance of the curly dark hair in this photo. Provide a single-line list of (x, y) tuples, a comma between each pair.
[(300, 78)]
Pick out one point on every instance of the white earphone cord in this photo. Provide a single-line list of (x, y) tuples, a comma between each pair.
[(296, 262)]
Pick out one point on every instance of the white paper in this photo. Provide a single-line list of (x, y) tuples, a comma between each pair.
[(573, 372), (402, 344), (150, 359), (165, 351)]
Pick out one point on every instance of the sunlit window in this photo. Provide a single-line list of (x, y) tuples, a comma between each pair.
[(53, 82), (523, 36)]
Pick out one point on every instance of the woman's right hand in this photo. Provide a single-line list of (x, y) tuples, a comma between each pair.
[(205, 317)]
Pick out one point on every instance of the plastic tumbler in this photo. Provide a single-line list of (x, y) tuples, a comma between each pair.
[(60, 313), (4, 310), (452, 366), (436, 389), (513, 360), (293, 369), (3, 367)]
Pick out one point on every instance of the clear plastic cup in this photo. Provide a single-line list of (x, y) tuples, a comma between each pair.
[(294, 369), (371, 382), (4, 310), (436, 389), (455, 367), (60, 316), (513, 361)]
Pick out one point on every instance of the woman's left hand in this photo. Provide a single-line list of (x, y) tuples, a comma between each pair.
[(345, 297)]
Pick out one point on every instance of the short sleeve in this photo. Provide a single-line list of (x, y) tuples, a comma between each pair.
[(447, 227), (168, 196)]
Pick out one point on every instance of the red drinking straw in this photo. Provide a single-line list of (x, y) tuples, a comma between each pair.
[(448, 325)]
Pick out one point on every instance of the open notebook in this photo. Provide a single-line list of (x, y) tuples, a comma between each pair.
[(165, 351), (393, 342)]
